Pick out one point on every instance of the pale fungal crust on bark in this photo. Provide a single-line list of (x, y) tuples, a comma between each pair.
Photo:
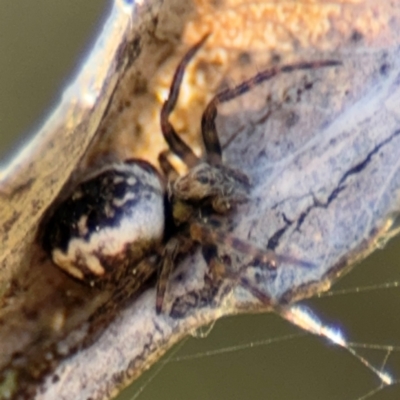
[(320, 147)]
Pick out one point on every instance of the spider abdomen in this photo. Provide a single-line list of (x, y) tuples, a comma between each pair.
[(111, 221)]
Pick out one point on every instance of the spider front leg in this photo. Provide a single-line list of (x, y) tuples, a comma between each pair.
[(209, 182), (175, 143), (208, 127), (210, 179)]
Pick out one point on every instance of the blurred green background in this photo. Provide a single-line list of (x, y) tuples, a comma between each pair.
[(41, 44)]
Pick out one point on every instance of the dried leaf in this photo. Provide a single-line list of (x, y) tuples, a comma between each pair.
[(320, 147)]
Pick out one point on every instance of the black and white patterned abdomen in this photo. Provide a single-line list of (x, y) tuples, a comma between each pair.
[(112, 220)]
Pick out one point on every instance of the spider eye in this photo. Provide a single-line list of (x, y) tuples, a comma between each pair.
[(203, 179)]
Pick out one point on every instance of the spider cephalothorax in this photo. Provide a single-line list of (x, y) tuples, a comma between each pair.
[(121, 213)]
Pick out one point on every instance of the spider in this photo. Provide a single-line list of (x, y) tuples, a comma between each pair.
[(126, 211)]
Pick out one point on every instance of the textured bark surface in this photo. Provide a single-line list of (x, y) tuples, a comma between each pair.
[(320, 147)]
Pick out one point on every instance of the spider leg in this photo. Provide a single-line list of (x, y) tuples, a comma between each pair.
[(176, 144), (204, 234), (208, 128), (257, 293), (219, 271), (174, 246), (208, 237), (169, 171)]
